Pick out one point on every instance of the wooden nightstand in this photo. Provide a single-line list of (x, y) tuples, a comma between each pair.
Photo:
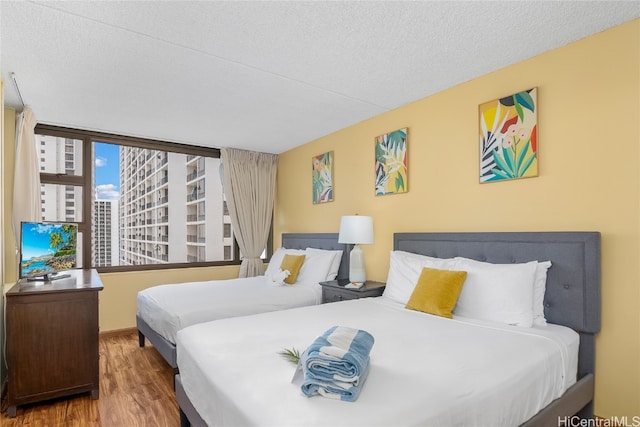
[(334, 290)]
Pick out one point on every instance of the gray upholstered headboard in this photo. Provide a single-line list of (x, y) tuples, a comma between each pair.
[(573, 282), (318, 241)]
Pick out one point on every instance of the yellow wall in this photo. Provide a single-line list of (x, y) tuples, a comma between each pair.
[(589, 158)]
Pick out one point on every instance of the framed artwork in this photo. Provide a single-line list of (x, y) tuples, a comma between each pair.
[(322, 178), (391, 163), (509, 137)]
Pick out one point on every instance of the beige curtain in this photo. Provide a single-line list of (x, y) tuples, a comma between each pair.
[(249, 186), (27, 205)]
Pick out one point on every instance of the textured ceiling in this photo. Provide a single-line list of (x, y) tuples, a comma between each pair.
[(265, 76)]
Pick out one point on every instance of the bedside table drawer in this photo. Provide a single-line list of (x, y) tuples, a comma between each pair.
[(334, 291), (334, 295)]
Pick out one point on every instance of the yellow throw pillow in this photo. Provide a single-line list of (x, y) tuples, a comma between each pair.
[(437, 291), (293, 264)]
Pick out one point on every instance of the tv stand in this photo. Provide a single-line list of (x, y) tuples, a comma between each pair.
[(52, 339), (49, 277)]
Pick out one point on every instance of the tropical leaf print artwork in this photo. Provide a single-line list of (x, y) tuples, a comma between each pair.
[(322, 178), (509, 137), (391, 163)]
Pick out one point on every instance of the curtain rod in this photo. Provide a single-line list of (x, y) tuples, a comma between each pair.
[(15, 83)]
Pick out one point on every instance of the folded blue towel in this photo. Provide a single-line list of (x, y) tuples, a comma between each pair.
[(336, 364), (340, 390)]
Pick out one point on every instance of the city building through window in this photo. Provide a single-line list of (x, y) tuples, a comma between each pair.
[(138, 203)]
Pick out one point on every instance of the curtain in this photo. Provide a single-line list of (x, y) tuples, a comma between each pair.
[(27, 205), (249, 186)]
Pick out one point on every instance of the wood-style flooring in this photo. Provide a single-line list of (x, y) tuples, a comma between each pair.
[(136, 389)]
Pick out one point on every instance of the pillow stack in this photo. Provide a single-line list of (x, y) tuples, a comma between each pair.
[(511, 294), (304, 266)]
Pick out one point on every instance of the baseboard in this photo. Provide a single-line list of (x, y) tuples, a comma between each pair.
[(118, 332)]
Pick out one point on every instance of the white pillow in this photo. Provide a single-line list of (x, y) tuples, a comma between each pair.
[(497, 292), (405, 269), (539, 288), (335, 263), (276, 260), (316, 266)]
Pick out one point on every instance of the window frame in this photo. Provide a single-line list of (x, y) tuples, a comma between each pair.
[(85, 181)]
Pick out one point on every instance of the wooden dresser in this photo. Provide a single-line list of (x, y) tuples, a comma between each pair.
[(52, 338)]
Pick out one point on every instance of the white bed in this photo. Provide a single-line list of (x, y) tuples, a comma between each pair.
[(169, 308), (425, 370), (469, 372), (165, 309)]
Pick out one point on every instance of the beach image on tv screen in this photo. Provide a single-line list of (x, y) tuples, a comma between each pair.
[(47, 248)]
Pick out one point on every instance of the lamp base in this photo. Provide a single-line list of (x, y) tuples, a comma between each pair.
[(356, 265)]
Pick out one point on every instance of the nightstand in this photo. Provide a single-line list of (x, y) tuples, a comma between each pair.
[(334, 290)]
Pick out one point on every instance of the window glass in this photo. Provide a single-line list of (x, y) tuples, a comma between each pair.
[(146, 205), (60, 155), (155, 207), (61, 202)]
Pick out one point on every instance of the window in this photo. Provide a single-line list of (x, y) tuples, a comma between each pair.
[(57, 199), (117, 189)]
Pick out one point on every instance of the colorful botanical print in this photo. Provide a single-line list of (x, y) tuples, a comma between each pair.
[(323, 178), (509, 137), (391, 163)]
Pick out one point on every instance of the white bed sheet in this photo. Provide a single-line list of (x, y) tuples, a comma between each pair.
[(425, 370), (169, 308)]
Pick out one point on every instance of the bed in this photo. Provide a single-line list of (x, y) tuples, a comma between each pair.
[(164, 309), (571, 306)]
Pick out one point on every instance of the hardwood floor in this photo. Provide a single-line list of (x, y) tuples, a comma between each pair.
[(136, 389)]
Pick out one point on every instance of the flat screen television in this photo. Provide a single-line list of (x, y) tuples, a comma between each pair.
[(46, 249)]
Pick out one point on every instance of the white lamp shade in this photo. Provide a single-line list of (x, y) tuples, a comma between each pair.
[(356, 229)]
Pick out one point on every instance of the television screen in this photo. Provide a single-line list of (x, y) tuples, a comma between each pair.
[(47, 248)]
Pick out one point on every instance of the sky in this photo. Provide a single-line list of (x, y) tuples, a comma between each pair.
[(107, 169)]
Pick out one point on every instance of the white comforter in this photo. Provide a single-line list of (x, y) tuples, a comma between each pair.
[(425, 370), (169, 308)]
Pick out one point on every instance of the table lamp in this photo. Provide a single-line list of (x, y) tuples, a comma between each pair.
[(356, 230)]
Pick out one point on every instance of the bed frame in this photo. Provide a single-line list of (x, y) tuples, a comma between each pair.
[(572, 298), (290, 241)]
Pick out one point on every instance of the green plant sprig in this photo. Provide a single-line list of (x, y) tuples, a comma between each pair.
[(292, 355)]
